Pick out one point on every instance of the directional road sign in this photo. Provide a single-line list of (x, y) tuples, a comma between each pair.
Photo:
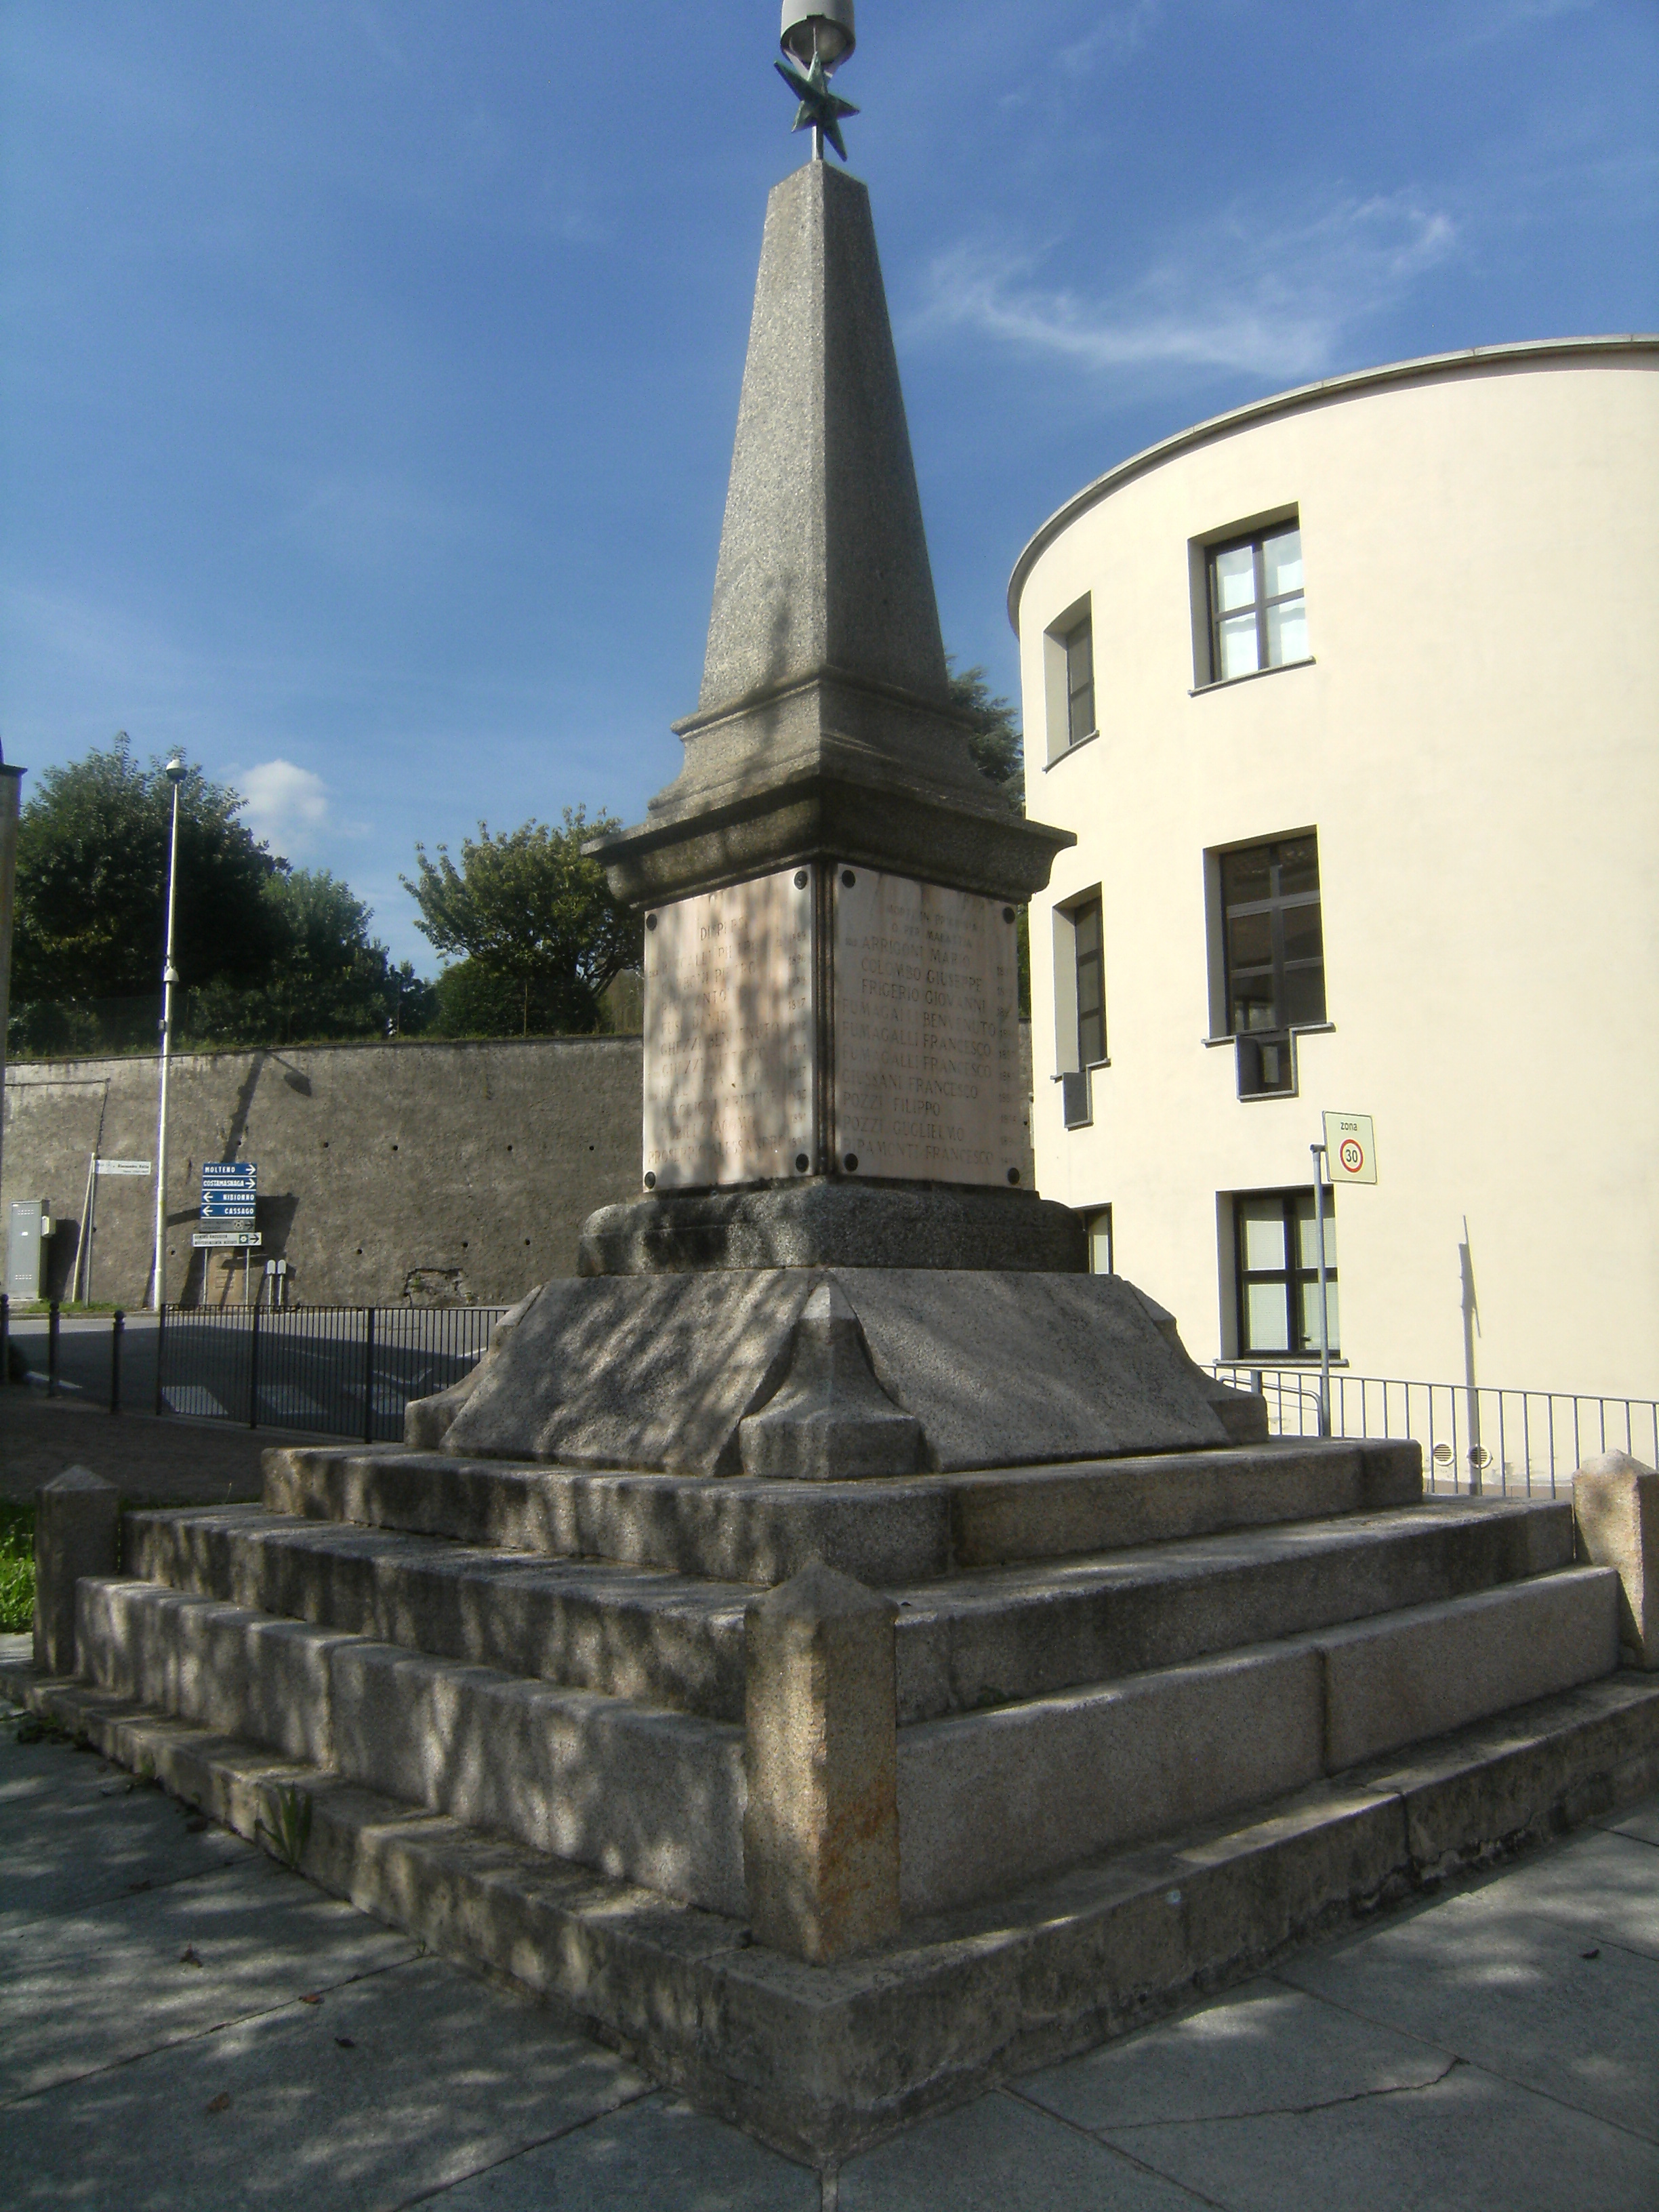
[(238, 1240), (229, 1190)]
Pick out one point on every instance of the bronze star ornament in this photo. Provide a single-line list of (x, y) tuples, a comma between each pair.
[(820, 108)]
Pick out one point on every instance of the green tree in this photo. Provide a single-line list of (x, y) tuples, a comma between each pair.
[(998, 749), (331, 979), (995, 740), (526, 908), (91, 901)]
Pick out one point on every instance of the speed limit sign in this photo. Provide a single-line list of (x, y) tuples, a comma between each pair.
[(1350, 1148)]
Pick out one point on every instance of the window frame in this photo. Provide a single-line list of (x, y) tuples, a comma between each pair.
[(1084, 631), (1073, 1072), (1274, 1037), (1262, 604), (1060, 693), (1204, 553), (1304, 1281), (1095, 1219)]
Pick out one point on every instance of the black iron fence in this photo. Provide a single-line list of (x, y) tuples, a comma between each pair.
[(340, 1370), (343, 1370), (1477, 1440)]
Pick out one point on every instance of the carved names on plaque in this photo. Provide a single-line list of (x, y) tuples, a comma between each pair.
[(729, 1084), (927, 1080)]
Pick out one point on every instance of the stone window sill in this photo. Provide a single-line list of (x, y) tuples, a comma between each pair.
[(1232, 683), (1069, 750)]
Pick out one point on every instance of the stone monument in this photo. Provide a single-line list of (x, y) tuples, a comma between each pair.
[(831, 893), (835, 1644)]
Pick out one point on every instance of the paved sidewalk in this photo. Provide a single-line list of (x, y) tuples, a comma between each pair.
[(183, 2024), (170, 1461)]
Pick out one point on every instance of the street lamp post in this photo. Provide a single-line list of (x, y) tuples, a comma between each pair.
[(176, 773), (10, 779)]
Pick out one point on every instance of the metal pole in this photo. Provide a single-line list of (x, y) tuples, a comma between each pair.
[(170, 977), (161, 1349), (10, 780), (1318, 1151), (254, 1372), (52, 1349), (116, 1326), (369, 1376)]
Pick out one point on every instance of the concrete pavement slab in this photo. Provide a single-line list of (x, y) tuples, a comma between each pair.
[(1266, 2047), (1643, 1823), (388, 2091), (1000, 2152), (86, 1993), (1543, 2005), (1462, 2144), (658, 2153), (1600, 1885), (78, 1832)]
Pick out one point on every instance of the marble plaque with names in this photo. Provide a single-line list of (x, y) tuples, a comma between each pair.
[(927, 1081), (729, 1083)]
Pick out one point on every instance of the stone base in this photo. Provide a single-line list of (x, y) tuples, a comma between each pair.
[(831, 1224), (822, 2061), (679, 1373)]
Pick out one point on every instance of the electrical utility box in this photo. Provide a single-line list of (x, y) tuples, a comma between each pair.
[(26, 1229)]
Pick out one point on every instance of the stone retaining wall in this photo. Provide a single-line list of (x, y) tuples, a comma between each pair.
[(433, 1172)]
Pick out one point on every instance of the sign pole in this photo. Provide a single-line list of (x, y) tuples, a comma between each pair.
[(1318, 1151)]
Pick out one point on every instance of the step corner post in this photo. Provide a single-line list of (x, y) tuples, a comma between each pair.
[(1615, 1511), (821, 1836), (78, 1532)]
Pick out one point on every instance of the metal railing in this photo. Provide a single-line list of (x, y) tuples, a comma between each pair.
[(1478, 1441), (343, 1371)]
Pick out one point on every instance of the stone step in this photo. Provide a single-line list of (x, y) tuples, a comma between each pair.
[(641, 1795), (1012, 1633), (643, 1634), (964, 1641), (822, 2061), (989, 1801), (985, 1800), (741, 1529)]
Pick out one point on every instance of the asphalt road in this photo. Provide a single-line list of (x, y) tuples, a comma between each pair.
[(316, 1371)]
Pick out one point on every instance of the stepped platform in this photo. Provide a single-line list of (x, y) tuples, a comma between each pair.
[(1153, 1718)]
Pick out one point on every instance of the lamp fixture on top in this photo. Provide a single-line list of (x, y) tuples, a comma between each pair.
[(824, 32)]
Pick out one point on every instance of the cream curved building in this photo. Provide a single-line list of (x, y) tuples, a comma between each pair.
[(1352, 699)]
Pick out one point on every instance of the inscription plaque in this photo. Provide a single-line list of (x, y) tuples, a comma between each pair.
[(927, 1079), (729, 1087)]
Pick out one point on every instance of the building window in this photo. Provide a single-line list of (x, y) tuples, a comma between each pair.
[(1080, 645), (1079, 1003), (1069, 678), (1276, 1246), (1097, 1228), (1090, 953), (1273, 951), (1258, 614)]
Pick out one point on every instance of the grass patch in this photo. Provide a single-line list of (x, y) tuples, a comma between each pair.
[(17, 1567)]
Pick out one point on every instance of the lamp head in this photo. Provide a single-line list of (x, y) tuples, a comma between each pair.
[(825, 30), (176, 770)]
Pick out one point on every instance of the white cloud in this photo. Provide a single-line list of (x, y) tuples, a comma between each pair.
[(286, 805), (1119, 33), (1275, 303)]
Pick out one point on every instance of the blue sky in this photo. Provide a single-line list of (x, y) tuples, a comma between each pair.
[(370, 370)]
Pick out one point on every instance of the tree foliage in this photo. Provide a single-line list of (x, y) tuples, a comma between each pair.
[(265, 953), (526, 910), (995, 740), (332, 979), (90, 920)]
